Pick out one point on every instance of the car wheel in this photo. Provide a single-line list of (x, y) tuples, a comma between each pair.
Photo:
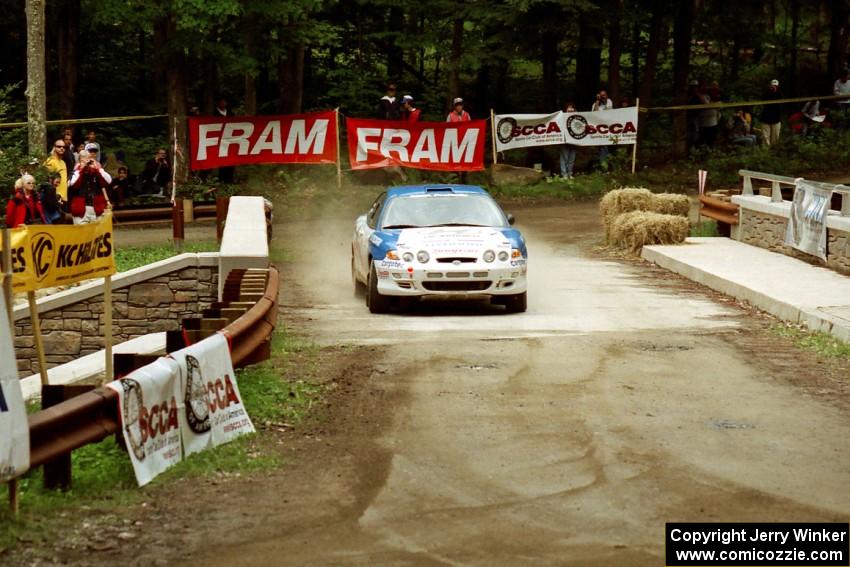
[(516, 303), (359, 288), (377, 303)]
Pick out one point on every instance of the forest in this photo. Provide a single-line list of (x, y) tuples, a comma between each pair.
[(108, 58)]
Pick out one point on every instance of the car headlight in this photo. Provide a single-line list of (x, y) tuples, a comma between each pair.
[(407, 256), (516, 253), (392, 255), (423, 257), (503, 256), (489, 256)]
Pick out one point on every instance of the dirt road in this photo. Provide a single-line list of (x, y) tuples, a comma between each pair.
[(457, 435), (569, 434)]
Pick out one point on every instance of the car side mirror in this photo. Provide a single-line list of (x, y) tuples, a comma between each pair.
[(511, 219)]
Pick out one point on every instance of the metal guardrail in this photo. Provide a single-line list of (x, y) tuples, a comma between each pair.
[(91, 417), (718, 210)]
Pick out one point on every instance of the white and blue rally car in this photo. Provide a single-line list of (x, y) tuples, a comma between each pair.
[(438, 240)]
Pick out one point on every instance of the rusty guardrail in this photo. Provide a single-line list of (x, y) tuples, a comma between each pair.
[(93, 416), (718, 210), (158, 213)]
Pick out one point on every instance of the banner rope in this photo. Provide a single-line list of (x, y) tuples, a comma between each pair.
[(84, 120)]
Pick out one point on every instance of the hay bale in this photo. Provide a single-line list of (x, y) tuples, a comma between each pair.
[(634, 230), (671, 204), (619, 201)]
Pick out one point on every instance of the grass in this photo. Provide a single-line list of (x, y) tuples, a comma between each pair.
[(705, 228), (274, 395), (818, 342), (130, 257)]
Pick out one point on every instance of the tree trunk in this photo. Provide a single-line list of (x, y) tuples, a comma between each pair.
[(657, 33), (636, 55), (795, 36), (36, 82), (838, 28), (454, 61), (210, 92), (588, 59), (682, 36), (615, 49), (176, 71), (250, 30), (395, 57), (67, 59), (549, 60), (291, 79)]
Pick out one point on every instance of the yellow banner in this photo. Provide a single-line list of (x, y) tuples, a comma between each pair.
[(51, 255)]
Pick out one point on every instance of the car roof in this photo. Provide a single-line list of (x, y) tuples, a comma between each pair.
[(438, 188)]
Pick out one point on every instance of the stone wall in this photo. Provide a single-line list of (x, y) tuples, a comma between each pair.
[(143, 301), (768, 231)]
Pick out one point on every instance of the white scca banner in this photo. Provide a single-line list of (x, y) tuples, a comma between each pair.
[(601, 128), (523, 130), (806, 229), (211, 402), (150, 418), (14, 427)]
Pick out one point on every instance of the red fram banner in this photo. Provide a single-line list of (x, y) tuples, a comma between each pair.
[(443, 146), (241, 140)]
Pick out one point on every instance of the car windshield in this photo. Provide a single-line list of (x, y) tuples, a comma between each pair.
[(416, 211)]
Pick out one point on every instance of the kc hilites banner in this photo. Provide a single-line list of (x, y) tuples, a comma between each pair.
[(45, 255), (294, 138), (441, 146)]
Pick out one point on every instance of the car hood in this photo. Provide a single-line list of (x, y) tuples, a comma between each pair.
[(453, 241)]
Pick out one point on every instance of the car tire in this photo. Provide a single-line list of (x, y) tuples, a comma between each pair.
[(377, 303), (359, 287), (516, 303)]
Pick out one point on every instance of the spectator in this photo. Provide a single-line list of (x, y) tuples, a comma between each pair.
[(694, 97), (24, 207), (222, 108), (120, 186), (842, 85), (602, 102), (93, 149), (458, 114), (568, 151), (69, 155), (408, 112), (51, 202), (91, 140), (811, 116), (81, 147), (87, 190), (625, 102), (388, 107), (714, 92), (55, 163), (739, 130), (707, 122), (770, 114), (157, 174)]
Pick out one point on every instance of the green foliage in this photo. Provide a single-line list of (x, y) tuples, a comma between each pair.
[(819, 342), (13, 155), (130, 257)]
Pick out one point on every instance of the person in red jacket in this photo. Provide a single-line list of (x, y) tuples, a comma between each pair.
[(87, 189), (458, 114), (408, 112), (24, 207)]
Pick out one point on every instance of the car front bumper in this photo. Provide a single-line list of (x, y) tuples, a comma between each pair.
[(400, 278)]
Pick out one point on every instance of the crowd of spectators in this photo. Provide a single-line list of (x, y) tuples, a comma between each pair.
[(83, 181)]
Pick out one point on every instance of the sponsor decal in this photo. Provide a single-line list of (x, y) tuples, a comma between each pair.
[(375, 239), (294, 138), (444, 146)]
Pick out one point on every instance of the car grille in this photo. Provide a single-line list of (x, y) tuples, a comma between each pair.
[(456, 286), (461, 259)]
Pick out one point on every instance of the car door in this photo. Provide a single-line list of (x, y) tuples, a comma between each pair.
[(364, 229)]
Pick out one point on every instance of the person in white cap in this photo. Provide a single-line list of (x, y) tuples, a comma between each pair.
[(458, 114), (770, 124)]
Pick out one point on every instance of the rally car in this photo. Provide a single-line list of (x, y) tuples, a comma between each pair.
[(438, 240)]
